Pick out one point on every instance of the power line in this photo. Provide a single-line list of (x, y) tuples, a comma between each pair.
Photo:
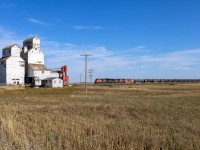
[(91, 72), (86, 56)]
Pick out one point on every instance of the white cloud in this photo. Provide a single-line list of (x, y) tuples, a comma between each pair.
[(178, 60), (70, 45), (129, 63), (137, 62), (58, 54), (79, 27), (37, 21), (8, 38), (7, 6), (185, 52), (7, 34), (134, 50)]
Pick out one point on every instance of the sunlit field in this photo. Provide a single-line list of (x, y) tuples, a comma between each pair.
[(138, 116)]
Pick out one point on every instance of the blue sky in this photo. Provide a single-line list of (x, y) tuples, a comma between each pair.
[(127, 38)]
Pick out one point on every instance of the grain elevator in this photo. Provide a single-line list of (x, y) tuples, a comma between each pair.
[(27, 66)]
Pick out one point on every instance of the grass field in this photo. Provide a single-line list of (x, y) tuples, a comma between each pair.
[(140, 116)]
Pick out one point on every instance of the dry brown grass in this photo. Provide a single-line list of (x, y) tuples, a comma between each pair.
[(140, 116)]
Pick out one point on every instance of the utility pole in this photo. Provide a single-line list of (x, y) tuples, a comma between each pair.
[(80, 78), (91, 71), (86, 56)]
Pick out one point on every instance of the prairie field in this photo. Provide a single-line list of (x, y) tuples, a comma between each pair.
[(124, 117)]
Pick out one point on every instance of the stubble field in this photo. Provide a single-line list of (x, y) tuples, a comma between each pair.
[(140, 116)]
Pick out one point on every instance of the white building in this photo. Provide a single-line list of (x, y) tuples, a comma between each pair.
[(52, 82), (27, 66), (36, 73), (31, 52), (12, 66), (35, 70)]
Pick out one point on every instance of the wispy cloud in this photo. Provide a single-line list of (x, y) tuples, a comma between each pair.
[(70, 45), (8, 37), (134, 50), (79, 27), (136, 62), (7, 6), (178, 60), (37, 21), (7, 34)]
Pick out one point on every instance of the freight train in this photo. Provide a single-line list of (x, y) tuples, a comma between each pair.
[(107, 80), (129, 81)]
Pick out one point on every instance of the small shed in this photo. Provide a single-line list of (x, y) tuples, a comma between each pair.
[(52, 82)]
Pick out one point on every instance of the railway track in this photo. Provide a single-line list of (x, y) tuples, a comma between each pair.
[(133, 81)]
